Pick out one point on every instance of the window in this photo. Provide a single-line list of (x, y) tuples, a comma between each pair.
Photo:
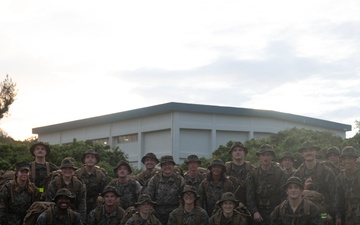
[(127, 138), (101, 141)]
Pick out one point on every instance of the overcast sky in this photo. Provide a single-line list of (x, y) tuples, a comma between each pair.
[(78, 59)]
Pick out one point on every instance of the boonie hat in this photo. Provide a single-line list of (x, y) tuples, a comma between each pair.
[(294, 180), (189, 188), (122, 163), (227, 196), (265, 148), (308, 145), (332, 150), (108, 189), (167, 158), (68, 162), (144, 198), (47, 148), (91, 152), (192, 158), (238, 144), (349, 151), (64, 192), (287, 155), (217, 162), (151, 156)]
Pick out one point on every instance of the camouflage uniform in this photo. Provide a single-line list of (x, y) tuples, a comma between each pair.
[(165, 191), (95, 182), (76, 186), (284, 215), (136, 219), (347, 201), (128, 191), (323, 180), (140, 221), (201, 175), (99, 216), (210, 191), (41, 173), (218, 217), (50, 215), (145, 176), (335, 168), (264, 188), (188, 218), (15, 200)]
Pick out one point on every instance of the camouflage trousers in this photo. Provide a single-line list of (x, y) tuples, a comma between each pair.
[(163, 212)]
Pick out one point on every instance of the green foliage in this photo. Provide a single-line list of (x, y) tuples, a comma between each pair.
[(7, 95)]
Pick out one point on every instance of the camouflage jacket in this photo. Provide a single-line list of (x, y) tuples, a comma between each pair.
[(264, 188), (128, 191), (323, 179), (39, 172), (347, 200), (219, 219), (210, 192), (71, 218), (99, 216), (15, 200), (95, 183), (197, 216), (135, 219), (195, 181), (144, 177), (78, 189), (306, 213)]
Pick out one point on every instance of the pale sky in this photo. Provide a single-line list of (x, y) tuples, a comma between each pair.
[(78, 59)]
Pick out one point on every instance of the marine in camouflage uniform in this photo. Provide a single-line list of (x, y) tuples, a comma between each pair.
[(149, 160), (17, 196), (287, 162), (128, 188), (295, 210), (189, 213), (72, 183), (347, 198), (322, 177), (227, 214), (61, 213), (143, 215), (40, 168), (214, 186), (94, 179), (109, 213), (165, 188), (264, 186), (239, 169), (194, 176), (333, 160)]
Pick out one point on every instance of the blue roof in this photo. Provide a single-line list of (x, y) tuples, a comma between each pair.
[(193, 108)]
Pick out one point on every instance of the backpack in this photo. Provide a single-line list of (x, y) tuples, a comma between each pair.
[(306, 208), (6, 177), (98, 173), (35, 210), (316, 198), (134, 213)]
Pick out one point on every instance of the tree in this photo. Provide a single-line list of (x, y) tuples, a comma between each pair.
[(7, 95)]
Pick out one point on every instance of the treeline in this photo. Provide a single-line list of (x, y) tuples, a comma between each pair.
[(285, 141)]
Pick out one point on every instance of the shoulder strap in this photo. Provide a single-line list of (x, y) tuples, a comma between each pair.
[(77, 183), (282, 210), (179, 215), (47, 164), (197, 215), (98, 213), (247, 166), (58, 181), (49, 215), (306, 207), (33, 165)]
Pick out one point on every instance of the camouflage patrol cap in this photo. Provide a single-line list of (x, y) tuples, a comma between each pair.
[(265, 148), (167, 158), (90, 152), (151, 156), (192, 158), (64, 192), (349, 151), (122, 163), (22, 166), (294, 180), (47, 148), (189, 188), (308, 145), (144, 198), (108, 189), (287, 155), (217, 162), (238, 144), (68, 162), (227, 196), (332, 150)]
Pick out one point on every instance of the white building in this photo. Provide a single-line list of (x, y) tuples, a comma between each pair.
[(180, 129)]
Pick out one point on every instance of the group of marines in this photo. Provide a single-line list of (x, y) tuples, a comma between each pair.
[(231, 193)]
